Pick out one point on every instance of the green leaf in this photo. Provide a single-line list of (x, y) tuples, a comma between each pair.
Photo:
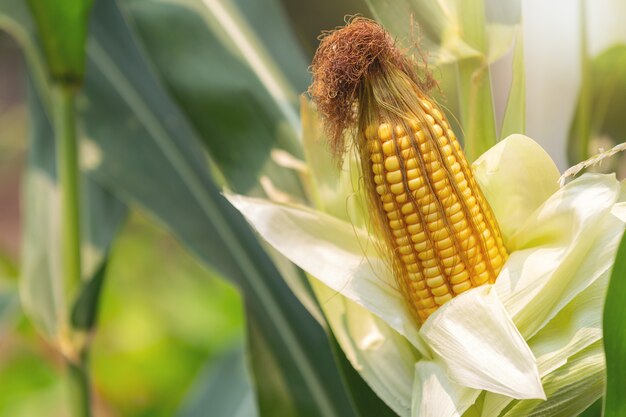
[(85, 309), (143, 148), (515, 113), (607, 98), (615, 337), (223, 71), (62, 30), (224, 388)]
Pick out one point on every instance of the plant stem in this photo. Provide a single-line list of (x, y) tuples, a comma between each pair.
[(67, 173), (69, 182), (80, 386)]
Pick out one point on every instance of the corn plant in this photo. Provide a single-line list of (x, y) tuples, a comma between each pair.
[(480, 294)]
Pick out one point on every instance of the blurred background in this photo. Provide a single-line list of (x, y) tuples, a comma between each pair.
[(165, 319)]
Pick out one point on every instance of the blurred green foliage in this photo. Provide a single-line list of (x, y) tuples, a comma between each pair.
[(607, 101), (162, 317)]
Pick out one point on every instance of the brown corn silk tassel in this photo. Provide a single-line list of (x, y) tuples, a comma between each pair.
[(438, 231)]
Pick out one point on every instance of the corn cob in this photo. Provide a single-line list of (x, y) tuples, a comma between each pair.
[(437, 229), (442, 232)]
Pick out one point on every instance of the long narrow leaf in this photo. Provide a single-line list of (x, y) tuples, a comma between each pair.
[(224, 388), (252, 106), (615, 337)]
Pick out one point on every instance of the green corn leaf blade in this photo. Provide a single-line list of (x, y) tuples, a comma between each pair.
[(223, 387), (62, 29), (253, 107), (151, 156), (287, 63), (615, 337), (606, 97), (85, 310), (309, 18), (41, 286), (515, 113)]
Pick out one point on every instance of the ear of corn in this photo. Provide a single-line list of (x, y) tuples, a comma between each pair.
[(442, 234), (438, 232)]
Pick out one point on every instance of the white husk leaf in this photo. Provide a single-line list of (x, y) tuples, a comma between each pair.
[(474, 337), (384, 358), (434, 395)]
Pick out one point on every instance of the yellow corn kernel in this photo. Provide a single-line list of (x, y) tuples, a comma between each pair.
[(392, 163), (445, 236)]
